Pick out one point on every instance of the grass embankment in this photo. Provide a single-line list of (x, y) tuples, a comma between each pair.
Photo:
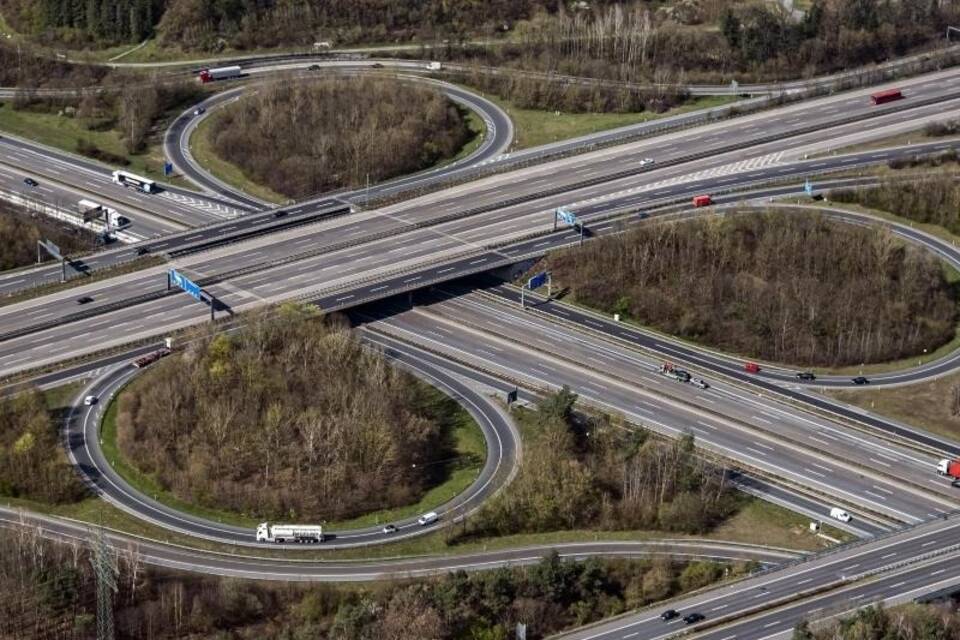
[(470, 456), (535, 127), (201, 146), (63, 132), (925, 405)]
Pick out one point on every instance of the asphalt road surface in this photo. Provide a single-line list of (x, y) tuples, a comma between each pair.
[(83, 445)]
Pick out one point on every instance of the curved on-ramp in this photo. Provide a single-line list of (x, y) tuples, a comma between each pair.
[(498, 135), (502, 441)]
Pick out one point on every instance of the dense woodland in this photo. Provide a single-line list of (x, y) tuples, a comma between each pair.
[(630, 40), (19, 233), (581, 472), (934, 199), (788, 288), (49, 593), (33, 464), (907, 622), (301, 139), (752, 40), (291, 418)]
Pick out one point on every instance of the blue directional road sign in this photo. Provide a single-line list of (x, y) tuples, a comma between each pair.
[(185, 283), (167, 168), (567, 216), (538, 280), (808, 187)]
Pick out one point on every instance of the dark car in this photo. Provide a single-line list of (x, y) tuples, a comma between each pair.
[(279, 214), (669, 614), (199, 111), (30, 182), (376, 65), (142, 250), (806, 375), (313, 67), (691, 618), (860, 380), (643, 215), (84, 300), (390, 528)]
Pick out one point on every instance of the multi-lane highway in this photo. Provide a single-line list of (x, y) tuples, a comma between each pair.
[(806, 459)]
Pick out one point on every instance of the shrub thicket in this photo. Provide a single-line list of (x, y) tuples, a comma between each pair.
[(291, 418), (789, 288), (301, 139)]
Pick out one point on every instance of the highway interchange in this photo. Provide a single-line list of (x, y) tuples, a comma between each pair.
[(788, 443)]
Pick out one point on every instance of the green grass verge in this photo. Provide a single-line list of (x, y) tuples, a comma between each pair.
[(466, 436), (535, 127), (201, 146), (63, 132), (925, 405)]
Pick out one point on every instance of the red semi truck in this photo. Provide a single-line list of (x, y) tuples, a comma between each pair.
[(949, 468), (220, 73), (888, 95), (702, 201)]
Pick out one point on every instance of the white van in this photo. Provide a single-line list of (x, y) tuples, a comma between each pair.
[(839, 514), (428, 518)]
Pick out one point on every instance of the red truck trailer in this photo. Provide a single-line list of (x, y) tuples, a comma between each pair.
[(949, 468), (887, 95), (702, 201)]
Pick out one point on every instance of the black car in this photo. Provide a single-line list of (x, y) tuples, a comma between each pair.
[(84, 300), (806, 375), (142, 250), (30, 182), (691, 618), (669, 614), (279, 214), (860, 380), (313, 67), (376, 65)]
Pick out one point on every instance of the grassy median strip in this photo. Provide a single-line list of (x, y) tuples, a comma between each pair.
[(535, 127)]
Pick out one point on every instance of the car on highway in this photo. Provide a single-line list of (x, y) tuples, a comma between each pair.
[(313, 67), (30, 182), (643, 215), (694, 617), (700, 383), (376, 65), (279, 214), (860, 380), (806, 376), (390, 528), (669, 614), (199, 111), (90, 400), (646, 161), (142, 250), (84, 300), (428, 518), (839, 514)]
